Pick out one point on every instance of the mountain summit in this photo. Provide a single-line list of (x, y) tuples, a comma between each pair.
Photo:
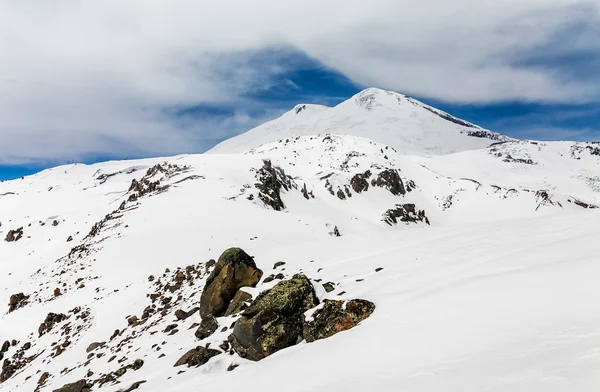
[(406, 124)]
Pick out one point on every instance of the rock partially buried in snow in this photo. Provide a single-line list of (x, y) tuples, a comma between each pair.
[(207, 327), (17, 301), (234, 270), (336, 316), (79, 386), (274, 320), (197, 357)]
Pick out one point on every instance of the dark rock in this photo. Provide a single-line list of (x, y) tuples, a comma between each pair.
[(278, 264), (329, 287), (17, 301), (170, 328), (79, 386), (224, 346), (137, 364), (271, 181), (5, 347), (51, 320), (404, 213), (238, 303), (183, 315), (336, 316), (43, 378), (234, 270), (207, 327), (274, 320), (14, 235), (359, 182), (197, 357), (133, 321), (133, 386), (390, 180), (232, 366)]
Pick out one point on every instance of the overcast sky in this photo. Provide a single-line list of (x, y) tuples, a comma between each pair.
[(80, 80)]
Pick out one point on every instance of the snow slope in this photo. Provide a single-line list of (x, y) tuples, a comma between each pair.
[(495, 291), (401, 122)]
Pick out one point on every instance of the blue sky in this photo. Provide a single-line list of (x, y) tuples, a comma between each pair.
[(121, 80)]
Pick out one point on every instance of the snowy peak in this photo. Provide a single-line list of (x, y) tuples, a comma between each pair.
[(387, 117)]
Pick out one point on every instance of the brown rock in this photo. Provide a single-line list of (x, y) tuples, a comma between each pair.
[(94, 346), (234, 270), (238, 303), (79, 386), (197, 357), (335, 317)]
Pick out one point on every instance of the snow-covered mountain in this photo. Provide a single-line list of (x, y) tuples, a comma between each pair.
[(406, 124), (481, 264)]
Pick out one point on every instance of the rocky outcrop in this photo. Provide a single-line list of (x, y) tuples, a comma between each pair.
[(274, 320), (360, 182), (197, 357), (51, 320), (336, 316), (404, 213), (389, 179), (234, 269), (271, 181), (17, 301)]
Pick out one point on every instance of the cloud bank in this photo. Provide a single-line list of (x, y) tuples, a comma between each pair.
[(79, 79)]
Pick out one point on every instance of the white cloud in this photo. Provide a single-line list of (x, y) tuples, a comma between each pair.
[(93, 77)]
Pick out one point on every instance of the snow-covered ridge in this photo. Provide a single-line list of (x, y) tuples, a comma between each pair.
[(401, 122), (111, 258)]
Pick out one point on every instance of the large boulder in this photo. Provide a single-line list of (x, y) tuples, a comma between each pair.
[(274, 320), (336, 316), (234, 269)]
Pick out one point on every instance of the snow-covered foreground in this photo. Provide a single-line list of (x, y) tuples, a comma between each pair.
[(494, 307), (482, 265)]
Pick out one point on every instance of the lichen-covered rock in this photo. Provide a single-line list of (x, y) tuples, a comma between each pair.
[(79, 386), (238, 303), (197, 357), (390, 180), (234, 269), (17, 301), (336, 316), (207, 327), (5, 347), (274, 320)]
